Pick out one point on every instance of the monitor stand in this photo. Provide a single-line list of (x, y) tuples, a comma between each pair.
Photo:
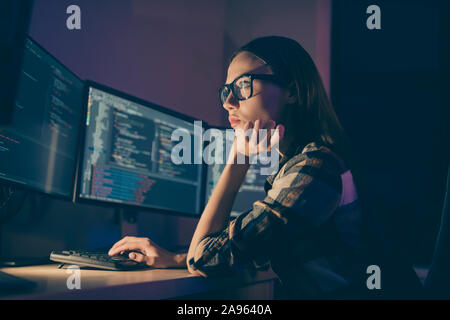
[(9, 207), (6, 262), (128, 222)]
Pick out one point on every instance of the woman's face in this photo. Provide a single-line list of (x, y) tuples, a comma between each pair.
[(267, 97)]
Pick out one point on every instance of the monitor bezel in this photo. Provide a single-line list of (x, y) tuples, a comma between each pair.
[(129, 206), (26, 187)]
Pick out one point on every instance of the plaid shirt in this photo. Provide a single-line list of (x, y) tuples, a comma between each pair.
[(307, 228)]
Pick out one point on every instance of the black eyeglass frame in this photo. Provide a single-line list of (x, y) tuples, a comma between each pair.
[(266, 77)]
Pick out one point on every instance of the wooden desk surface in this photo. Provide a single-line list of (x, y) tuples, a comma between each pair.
[(140, 284)]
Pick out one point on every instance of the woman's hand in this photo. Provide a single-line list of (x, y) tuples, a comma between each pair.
[(148, 253), (249, 141)]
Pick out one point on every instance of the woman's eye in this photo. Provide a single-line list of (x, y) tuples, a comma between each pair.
[(244, 84)]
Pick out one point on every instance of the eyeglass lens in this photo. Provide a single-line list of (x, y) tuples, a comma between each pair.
[(242, 89)]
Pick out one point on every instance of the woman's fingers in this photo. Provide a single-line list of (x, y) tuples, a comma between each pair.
[(129, 245), (266, 131), (138, 257), (119, 243), (253, 147), (123, 241), (258, 136), (125, 247), (264, 138), (243, 136), (276, 137)]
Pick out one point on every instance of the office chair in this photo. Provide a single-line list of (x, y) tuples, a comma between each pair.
[(437, 283)]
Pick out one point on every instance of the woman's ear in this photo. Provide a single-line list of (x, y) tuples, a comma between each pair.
[(291, 94)]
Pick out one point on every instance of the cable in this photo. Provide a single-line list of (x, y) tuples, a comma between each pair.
[(6, 196)]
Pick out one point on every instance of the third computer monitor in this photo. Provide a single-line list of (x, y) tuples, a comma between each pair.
[(126, 158)]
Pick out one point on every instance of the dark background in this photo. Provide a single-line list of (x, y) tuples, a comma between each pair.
[(387, 86)]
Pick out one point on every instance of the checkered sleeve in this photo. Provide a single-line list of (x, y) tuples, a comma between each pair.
[(304, 194)]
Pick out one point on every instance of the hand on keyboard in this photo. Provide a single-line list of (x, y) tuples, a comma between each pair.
[(143, 250), (99, 260)]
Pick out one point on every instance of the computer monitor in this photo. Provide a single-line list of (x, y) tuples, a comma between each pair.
[(252, 189), (126, 157), (38, 148), (14, 23)]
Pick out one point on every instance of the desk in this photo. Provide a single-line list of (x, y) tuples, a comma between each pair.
[(140, 284)]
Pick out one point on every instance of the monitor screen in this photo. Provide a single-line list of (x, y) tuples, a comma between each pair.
[(14, 24), (252, 189), (38, 148), (127, 155)]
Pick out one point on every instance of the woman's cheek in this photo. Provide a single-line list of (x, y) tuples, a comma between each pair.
[(254, 111)]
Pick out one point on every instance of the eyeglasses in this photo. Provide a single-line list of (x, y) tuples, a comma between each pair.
[(242, 86)]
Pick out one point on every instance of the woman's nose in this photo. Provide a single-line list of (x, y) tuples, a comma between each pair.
[(231, 102)]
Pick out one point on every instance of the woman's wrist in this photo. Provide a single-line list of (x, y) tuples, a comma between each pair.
[(179, 260), (236, 174)]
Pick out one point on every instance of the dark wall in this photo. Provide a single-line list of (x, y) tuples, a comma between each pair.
[(386, 87), (151, 49)]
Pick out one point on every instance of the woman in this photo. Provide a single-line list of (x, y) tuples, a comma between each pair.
[(309, 225)]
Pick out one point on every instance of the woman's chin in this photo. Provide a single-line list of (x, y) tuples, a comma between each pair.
[(236, 125)]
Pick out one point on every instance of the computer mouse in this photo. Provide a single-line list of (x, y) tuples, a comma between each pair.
[(126, 254)]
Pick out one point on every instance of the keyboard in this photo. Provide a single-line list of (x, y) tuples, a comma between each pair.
[(100, 260)]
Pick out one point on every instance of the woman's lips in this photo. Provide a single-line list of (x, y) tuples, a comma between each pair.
[(234, 120)]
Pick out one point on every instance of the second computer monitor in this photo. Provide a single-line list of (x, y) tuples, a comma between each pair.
[(127, 155)]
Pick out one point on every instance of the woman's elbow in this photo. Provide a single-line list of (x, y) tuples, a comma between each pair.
[(196, 272)]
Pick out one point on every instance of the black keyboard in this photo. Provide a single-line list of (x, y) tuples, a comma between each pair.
[(100, 260)]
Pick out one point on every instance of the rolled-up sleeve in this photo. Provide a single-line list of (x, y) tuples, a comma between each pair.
[(304, 194)]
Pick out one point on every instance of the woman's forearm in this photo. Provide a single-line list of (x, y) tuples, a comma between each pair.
[(180, 259), (216, 214)]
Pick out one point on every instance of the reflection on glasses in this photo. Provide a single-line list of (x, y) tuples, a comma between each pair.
[(242, 86)]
